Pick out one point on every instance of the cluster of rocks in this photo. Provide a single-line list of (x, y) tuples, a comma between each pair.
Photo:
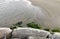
[(26, 33)]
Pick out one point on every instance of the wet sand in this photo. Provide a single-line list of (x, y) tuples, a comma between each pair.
[(52, 8)]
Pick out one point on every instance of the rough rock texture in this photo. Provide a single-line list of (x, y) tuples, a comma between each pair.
[(15, 38), (26, 32), (56, 35), (5, 32), (20, 33)]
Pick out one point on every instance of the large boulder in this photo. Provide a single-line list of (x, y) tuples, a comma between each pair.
[(26, 32), (5, 32), (56, 35)]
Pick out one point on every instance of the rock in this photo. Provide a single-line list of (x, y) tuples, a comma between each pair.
[(5, 31), (35, 37), (56, 35), (26, 32), (15, 38)]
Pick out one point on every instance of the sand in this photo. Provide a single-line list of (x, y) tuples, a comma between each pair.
[(52, 8)]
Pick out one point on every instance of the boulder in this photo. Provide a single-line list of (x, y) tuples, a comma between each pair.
[(26, 32), (15, 38), (5, 32), (56, 35)]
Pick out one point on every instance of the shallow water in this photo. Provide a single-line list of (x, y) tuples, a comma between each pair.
[(12, 11), (44, 12)]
